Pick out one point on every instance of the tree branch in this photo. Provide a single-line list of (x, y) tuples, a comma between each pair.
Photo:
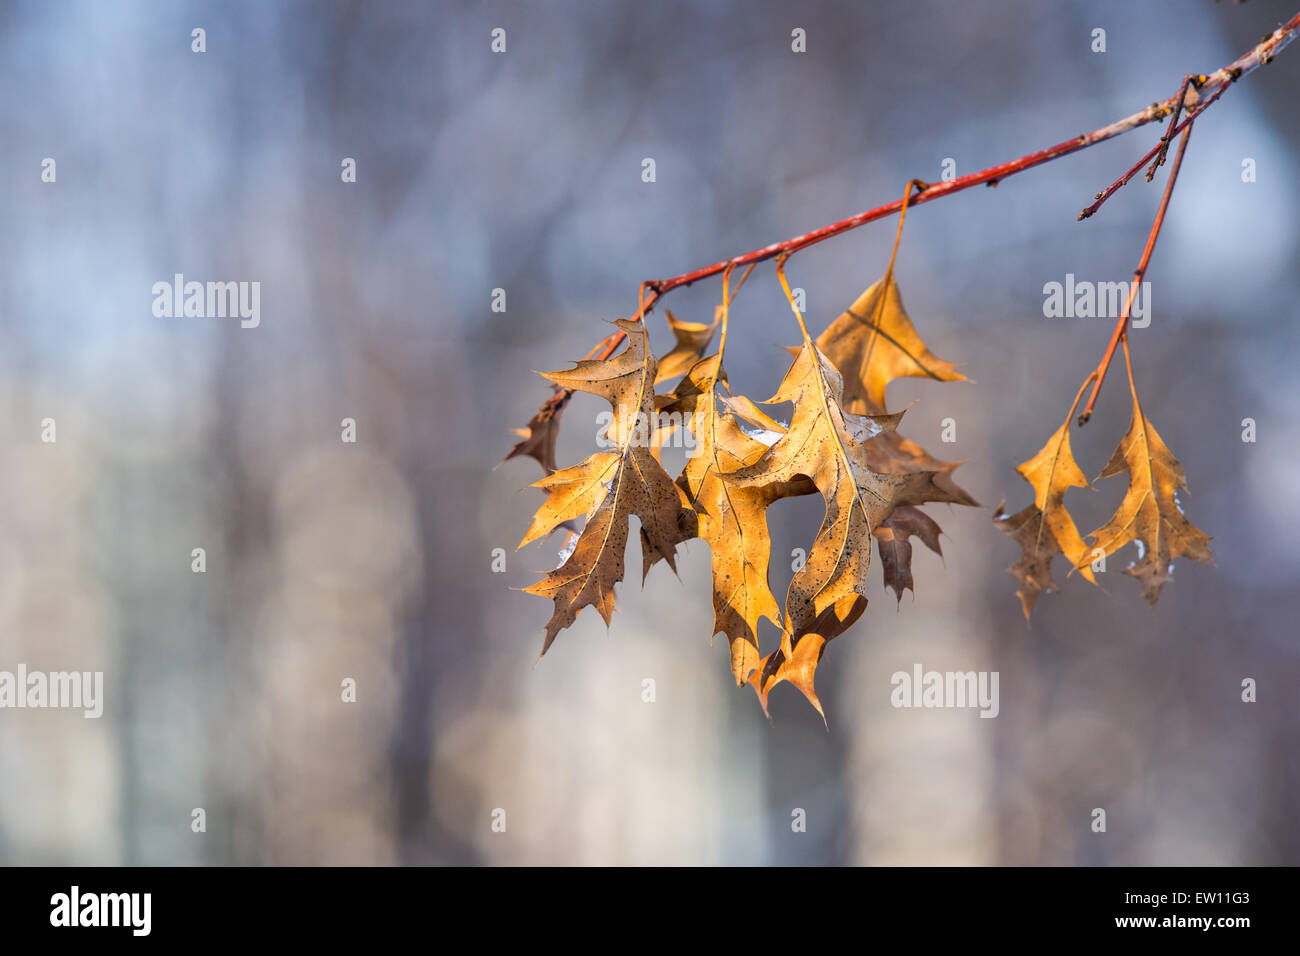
[(1157, 151), (1121, 327), (1261, 54)]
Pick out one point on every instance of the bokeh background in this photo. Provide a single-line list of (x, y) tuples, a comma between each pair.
[(373, 560)]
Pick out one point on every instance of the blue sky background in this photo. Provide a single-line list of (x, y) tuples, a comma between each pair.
[(522, 171)]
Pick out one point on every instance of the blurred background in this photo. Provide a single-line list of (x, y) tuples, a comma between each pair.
[(373, 560)]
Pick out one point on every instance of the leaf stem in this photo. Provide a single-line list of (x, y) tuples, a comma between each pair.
[(1121, 327), (1128, 363), (1092, 377), (726, 311), (902, 218), (780, 274), (889, 272)]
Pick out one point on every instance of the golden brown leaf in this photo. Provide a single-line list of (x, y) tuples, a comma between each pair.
[(759, 424), (874, 342), (1150, 513), (693, 340), (731, 518), (826, 445), (538, 436), (800, 668), (1045, 529), (891, 453), (608, 487), (895, 548)]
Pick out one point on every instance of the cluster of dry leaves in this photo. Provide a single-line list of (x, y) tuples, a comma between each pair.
[(1150, 514), (841, 443)]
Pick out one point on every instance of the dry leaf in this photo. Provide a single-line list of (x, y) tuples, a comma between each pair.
[(1150, 513), (800, 667), (878, 343), (827, 446), (873, 342), (538, 436), (732, 519), (608, 487), (1045, 529), (693, 340), (895, 548), (841, 443), (893, 453)]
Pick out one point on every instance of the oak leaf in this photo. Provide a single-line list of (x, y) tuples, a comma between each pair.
[(538, 442), (895, 547), (1045, 529), (799, 667), (539, 435), (827, 446), (731, 518), (609, 487), (874, 342), (692, 341), (753, 420), (1150, 514)]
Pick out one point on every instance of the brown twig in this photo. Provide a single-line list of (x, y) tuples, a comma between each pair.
[(1121, 327), (1188, 80), (1123, 180)]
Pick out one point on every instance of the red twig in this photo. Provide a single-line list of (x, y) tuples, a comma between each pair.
[(1262, 53), (1121, 327), (1168, 138), (1162, 145), (1229, 74)]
